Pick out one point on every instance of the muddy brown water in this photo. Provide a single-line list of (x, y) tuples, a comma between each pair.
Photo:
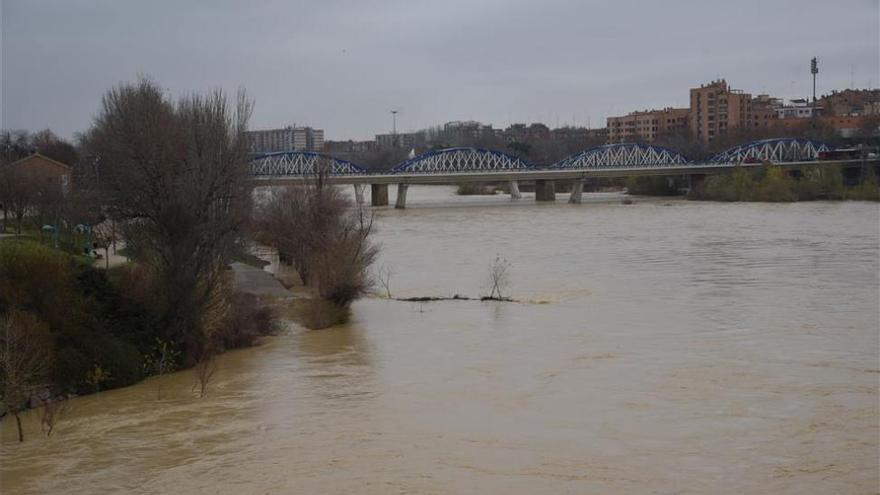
[(663, 347)]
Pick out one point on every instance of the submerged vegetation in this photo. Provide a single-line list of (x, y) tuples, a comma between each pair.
[(95, 329), (652, 186), (477, 189), (327, 239)]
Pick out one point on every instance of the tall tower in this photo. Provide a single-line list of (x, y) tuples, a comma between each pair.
[(814, 69)]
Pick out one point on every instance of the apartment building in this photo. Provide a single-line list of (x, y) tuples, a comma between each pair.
[(646, 126), (285, 139), (717, 109)]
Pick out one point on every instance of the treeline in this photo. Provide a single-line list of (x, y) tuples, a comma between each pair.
[(774, 184), (768, 183)]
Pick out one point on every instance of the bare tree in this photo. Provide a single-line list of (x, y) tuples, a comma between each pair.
[(214, 317), (383, 276), (52, 412), (25, 357), (498, 278), (340, 269), (175, 173), (324, 236)]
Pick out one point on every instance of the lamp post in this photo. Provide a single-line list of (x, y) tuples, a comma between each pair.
[(814, 69)]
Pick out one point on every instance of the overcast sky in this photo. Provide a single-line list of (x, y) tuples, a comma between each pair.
[(343, 65)]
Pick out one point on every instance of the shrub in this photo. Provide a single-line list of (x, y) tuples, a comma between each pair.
[(474, 189), (319, 313), (776, 186), (651, 186), (247, 320)]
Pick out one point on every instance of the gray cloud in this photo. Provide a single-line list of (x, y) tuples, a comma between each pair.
[(343, 65)]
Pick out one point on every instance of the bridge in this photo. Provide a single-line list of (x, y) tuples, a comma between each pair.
[(464, 164)]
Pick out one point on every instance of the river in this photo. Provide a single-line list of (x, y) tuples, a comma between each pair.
[(661, 347)]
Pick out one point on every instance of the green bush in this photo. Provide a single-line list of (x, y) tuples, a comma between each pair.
[(775, 184), (91, 322)]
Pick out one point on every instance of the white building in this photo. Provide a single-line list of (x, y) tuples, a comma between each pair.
[(797, 109)]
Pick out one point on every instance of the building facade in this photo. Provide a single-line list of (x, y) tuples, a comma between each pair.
[(285, 139), (717, 109), (646, 126), (797, 109), (851, 102), (46, 174), (399, 140)]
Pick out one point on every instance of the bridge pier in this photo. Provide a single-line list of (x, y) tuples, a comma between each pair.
[(401, 196), (577, 192), (545, 190), (359, 194), (379, 194), (514, 190)]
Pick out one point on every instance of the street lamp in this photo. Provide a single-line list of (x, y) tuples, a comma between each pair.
[(394, 128)]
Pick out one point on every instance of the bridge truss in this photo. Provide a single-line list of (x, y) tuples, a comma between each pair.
[(622, 155), (453, 160), (301, 164), (772, 150)]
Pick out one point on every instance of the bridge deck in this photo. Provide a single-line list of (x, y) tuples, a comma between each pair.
[(537, 174)]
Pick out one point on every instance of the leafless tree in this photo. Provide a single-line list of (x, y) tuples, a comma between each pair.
[(383, 276), (52, 412), (175, 175), (25, 358), (498, 278), (324, 236), (214, 317)]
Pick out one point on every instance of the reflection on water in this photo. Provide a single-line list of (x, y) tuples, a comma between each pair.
[(686, 348)]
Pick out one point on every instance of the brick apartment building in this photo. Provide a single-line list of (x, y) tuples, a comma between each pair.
[(717, 109), (647, 125)]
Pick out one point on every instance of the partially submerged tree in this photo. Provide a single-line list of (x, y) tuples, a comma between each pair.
[(324, 236), (498, 278), (174, 173), (25, 360), (384, 278)]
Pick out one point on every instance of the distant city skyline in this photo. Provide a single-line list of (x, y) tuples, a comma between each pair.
[(344, 66)]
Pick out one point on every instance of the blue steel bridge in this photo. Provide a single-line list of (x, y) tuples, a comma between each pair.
[(457, 165)]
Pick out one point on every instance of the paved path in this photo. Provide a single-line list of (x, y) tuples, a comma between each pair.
[(256, 281)]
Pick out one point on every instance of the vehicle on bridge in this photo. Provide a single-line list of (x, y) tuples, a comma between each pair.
[(848, 153)]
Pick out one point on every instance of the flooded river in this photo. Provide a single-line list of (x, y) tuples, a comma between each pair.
[(661, 347)]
